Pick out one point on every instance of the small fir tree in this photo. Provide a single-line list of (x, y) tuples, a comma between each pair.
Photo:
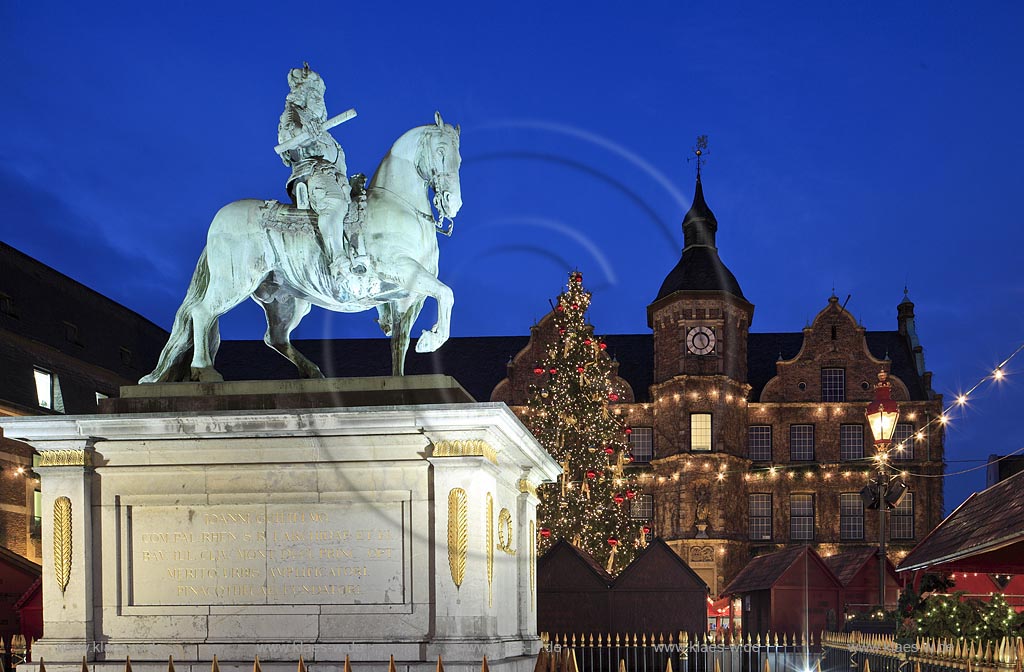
[(570, 410)]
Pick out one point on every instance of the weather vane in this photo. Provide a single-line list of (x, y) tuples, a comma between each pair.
[(700, 152)]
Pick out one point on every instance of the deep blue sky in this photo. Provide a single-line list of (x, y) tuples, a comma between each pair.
[(858, 145)]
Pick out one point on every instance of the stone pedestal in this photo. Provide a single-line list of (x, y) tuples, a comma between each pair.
[(322, 531)]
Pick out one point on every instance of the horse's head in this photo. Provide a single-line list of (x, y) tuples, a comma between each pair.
[(438, 161)]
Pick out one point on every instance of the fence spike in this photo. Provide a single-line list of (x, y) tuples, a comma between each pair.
[(917, 666), (391, 664), (484, 668), (256, 664), (591, 640), (718, 668), (570, 668), (668, 666), (540, 666), (767, 667), (574, 639), (170, 664), (42, 668), (622, 665), (867, 668), (302, 664), (440, 665), (214, 667)]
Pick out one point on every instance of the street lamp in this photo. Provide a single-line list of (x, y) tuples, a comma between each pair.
[(882, 414)]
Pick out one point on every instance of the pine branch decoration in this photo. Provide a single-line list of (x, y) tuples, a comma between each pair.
[(62, 541), (458, 534)]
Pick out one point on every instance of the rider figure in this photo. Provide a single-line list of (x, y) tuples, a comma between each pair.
[(320, 164)]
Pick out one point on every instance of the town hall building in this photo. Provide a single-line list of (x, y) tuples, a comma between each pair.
[(758, 441)]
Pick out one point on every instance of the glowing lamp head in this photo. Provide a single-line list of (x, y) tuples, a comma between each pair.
[(882, 413)]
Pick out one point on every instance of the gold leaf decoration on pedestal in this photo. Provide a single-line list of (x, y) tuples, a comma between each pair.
[(458, 534), (533, 558), (465, 448), (62, 541), (490, 548), (65, 458), (505, 532)]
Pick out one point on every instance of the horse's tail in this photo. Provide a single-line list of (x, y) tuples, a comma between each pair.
[(179, 344)]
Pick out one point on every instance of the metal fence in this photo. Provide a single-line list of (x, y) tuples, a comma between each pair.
[(655, 652), (883, 653)]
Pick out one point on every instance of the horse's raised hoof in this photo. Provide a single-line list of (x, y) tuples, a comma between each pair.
[(206, 374), (429, 341)]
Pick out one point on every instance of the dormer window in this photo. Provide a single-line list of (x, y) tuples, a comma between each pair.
[(7, 306)]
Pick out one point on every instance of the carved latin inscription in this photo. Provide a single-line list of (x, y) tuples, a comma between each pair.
[(267, 554)]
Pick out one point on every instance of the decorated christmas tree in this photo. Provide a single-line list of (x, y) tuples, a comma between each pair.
[(571, 412)]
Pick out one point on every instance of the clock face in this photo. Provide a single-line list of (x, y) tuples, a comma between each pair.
[(700, 340)]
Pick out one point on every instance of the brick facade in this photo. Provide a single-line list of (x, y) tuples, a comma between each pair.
[(771, 382)]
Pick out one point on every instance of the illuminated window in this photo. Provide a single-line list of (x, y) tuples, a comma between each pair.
[(801, 517), (642, 507), (760, 518), (851, 442), (700, 431), (901, 519), (37, 515), (44, 388), (833, 385), (851, 516), (759, 443), (641, 444), (48, 390), (801, 442), (903, 441)]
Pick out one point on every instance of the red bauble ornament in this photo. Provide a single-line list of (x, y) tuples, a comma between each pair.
[(612, 541), (609, 450), (538, 370), (646, 529), (561, 331), (628, 430), (545, 532), (630, 494), (552, 370), (604, 346), (575, 306), (578, 277), (559, 307), (580, 369), (613, 397), (587, 342), (619, 499), (591, 474), (629, 458)]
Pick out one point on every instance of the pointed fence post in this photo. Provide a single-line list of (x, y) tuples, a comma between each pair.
[(170, 663), (256, 664), (215, 667)]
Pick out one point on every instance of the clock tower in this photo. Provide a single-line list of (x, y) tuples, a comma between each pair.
[(701, 321)]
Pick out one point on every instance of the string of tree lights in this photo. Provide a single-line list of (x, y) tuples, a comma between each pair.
[(569, 412)]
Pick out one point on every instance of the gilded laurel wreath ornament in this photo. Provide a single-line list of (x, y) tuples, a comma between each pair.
[(505, 532), (458, 534), (62, 541)]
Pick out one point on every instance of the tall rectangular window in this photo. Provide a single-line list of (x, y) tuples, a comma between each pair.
[(903, 441), (759, 443), (642, 507), (851, 517), (760, 517), (641, 444), (36, 528), (901, 519), (833, 385), (44, 388), (801, 517), (801, 442), (851, 442), (700, 431)]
